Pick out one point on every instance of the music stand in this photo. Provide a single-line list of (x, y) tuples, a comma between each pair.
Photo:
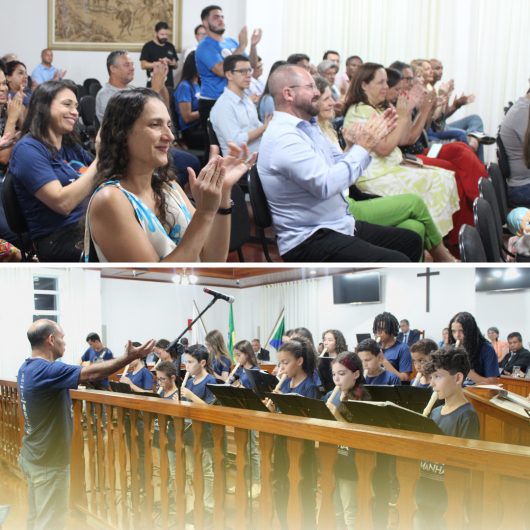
[(124, 388), (387, 415), (238, 398), (261, 381), (146, 393), (411, 397), (301, 406), (324, 371)]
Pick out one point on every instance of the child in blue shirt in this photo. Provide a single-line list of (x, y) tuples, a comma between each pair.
[(420, 352), (347, 375), (298, 361), (448, 368), (199, 366), (372, 359), (219, 354)]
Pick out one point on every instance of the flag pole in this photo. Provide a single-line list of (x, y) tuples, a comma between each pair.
[(274, 328)]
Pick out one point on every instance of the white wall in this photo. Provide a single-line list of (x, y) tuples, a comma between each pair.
[(141, 311)]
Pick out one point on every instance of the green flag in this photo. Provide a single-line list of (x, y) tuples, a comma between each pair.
[(276, 340), (231, 334)]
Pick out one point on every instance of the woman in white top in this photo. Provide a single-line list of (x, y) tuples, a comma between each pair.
[(138, 212)]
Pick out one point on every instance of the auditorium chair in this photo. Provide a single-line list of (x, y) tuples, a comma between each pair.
[(97, 125), (81, 92), (94, 89), (87, 111), (212, 136), (260, 208), (470, 245), (487, 192), (88, 82), (240, 225), (14, 216), (485, 226), (501, 192)]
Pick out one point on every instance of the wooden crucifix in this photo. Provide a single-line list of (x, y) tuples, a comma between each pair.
[(428, 275)]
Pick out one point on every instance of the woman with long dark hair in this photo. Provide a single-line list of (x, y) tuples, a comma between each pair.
[(187, 104), (17, 80), (138, 212), (482, 356), (52, 173), (387, 174)]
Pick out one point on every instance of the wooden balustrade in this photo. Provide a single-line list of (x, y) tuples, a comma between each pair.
[(106, 482)]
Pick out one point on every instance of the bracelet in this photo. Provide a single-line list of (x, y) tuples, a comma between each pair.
[(227, 211)]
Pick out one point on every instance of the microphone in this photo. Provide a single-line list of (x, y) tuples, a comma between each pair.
[(233, 379), (229, 299)]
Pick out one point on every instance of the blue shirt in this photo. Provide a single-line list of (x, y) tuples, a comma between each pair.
[(398, 355), (210, 52), (190, 92), (204, 393), (95, 356), (306, 388), (143, 379), (384, 378), (221, 366), (243, 379), (44, 388), (303, 176), (266, 106), (27, 97), (42, 74), (32, 166), (232, 118), (487, 363)]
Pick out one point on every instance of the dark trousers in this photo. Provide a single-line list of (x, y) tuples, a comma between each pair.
[(371, 243), (6, 232), (205, 106), (60, 246), (194, 136)]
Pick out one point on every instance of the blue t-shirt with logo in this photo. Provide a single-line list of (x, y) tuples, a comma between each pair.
[(189, 92), (204, 393), (44, 390), (210, 52), (33, 166), (398, 355), (96, 356)]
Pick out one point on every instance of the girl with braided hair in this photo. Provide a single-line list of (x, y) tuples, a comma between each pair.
[(397, 358), (482, 355)]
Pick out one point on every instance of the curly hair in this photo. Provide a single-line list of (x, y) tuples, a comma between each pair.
[(340, 341), (122, 112), (301, 347), (425, 346), (450, 358), (352, 362), (386, 322), (473, 337)]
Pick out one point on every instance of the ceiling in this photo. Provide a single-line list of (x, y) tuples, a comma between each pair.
[(235, 277)]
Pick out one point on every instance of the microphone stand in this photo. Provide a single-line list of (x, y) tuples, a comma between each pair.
[(177, 348)]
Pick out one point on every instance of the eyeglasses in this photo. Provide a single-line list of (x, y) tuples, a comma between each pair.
[(161, 379), (312, 86), (244, 71)]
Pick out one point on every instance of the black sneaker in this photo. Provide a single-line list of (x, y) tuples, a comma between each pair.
[(483, 138)]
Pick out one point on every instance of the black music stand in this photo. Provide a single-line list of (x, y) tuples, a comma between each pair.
[(124, 388), (261, 381), (387, 415), (301, 406), (238, 398), (411, 397)]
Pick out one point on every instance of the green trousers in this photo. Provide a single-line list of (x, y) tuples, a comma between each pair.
[(402, 211)]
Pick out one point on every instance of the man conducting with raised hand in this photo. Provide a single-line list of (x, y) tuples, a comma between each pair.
[(304, 177), (44, 391)]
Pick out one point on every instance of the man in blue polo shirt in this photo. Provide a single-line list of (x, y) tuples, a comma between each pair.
[(95, 353), (45, 71), (211, 52), (397, 355), (43, 386)]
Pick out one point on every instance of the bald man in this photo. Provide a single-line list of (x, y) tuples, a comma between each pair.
[(45, 71), (43, 387), (304, 176)]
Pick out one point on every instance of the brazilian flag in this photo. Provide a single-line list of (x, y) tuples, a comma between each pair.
[(231, 334), (276, 340)]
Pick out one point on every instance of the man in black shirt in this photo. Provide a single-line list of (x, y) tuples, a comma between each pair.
[(159, 50), (518, 355)]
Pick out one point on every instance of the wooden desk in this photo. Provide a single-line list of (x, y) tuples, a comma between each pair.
[(517, 385)]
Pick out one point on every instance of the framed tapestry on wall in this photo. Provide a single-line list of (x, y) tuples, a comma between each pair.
[(106, 25)]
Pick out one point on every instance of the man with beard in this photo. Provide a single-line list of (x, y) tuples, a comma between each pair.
[(304, 176), (210, 54), (157, 51)]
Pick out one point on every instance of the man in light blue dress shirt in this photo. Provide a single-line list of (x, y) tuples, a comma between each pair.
[(304, 175), (45, 71), (234, 115)]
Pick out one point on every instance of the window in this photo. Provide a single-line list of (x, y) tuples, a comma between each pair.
[(46, 297)]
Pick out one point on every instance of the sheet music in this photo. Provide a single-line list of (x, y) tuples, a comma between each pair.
[(509, 405)]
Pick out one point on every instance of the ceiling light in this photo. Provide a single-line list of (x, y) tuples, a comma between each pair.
[(312, 272), (193, 278)]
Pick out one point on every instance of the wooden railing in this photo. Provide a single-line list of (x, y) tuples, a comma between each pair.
[(106, 480)]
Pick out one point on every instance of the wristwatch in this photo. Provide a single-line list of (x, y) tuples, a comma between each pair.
[(227, 211)]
